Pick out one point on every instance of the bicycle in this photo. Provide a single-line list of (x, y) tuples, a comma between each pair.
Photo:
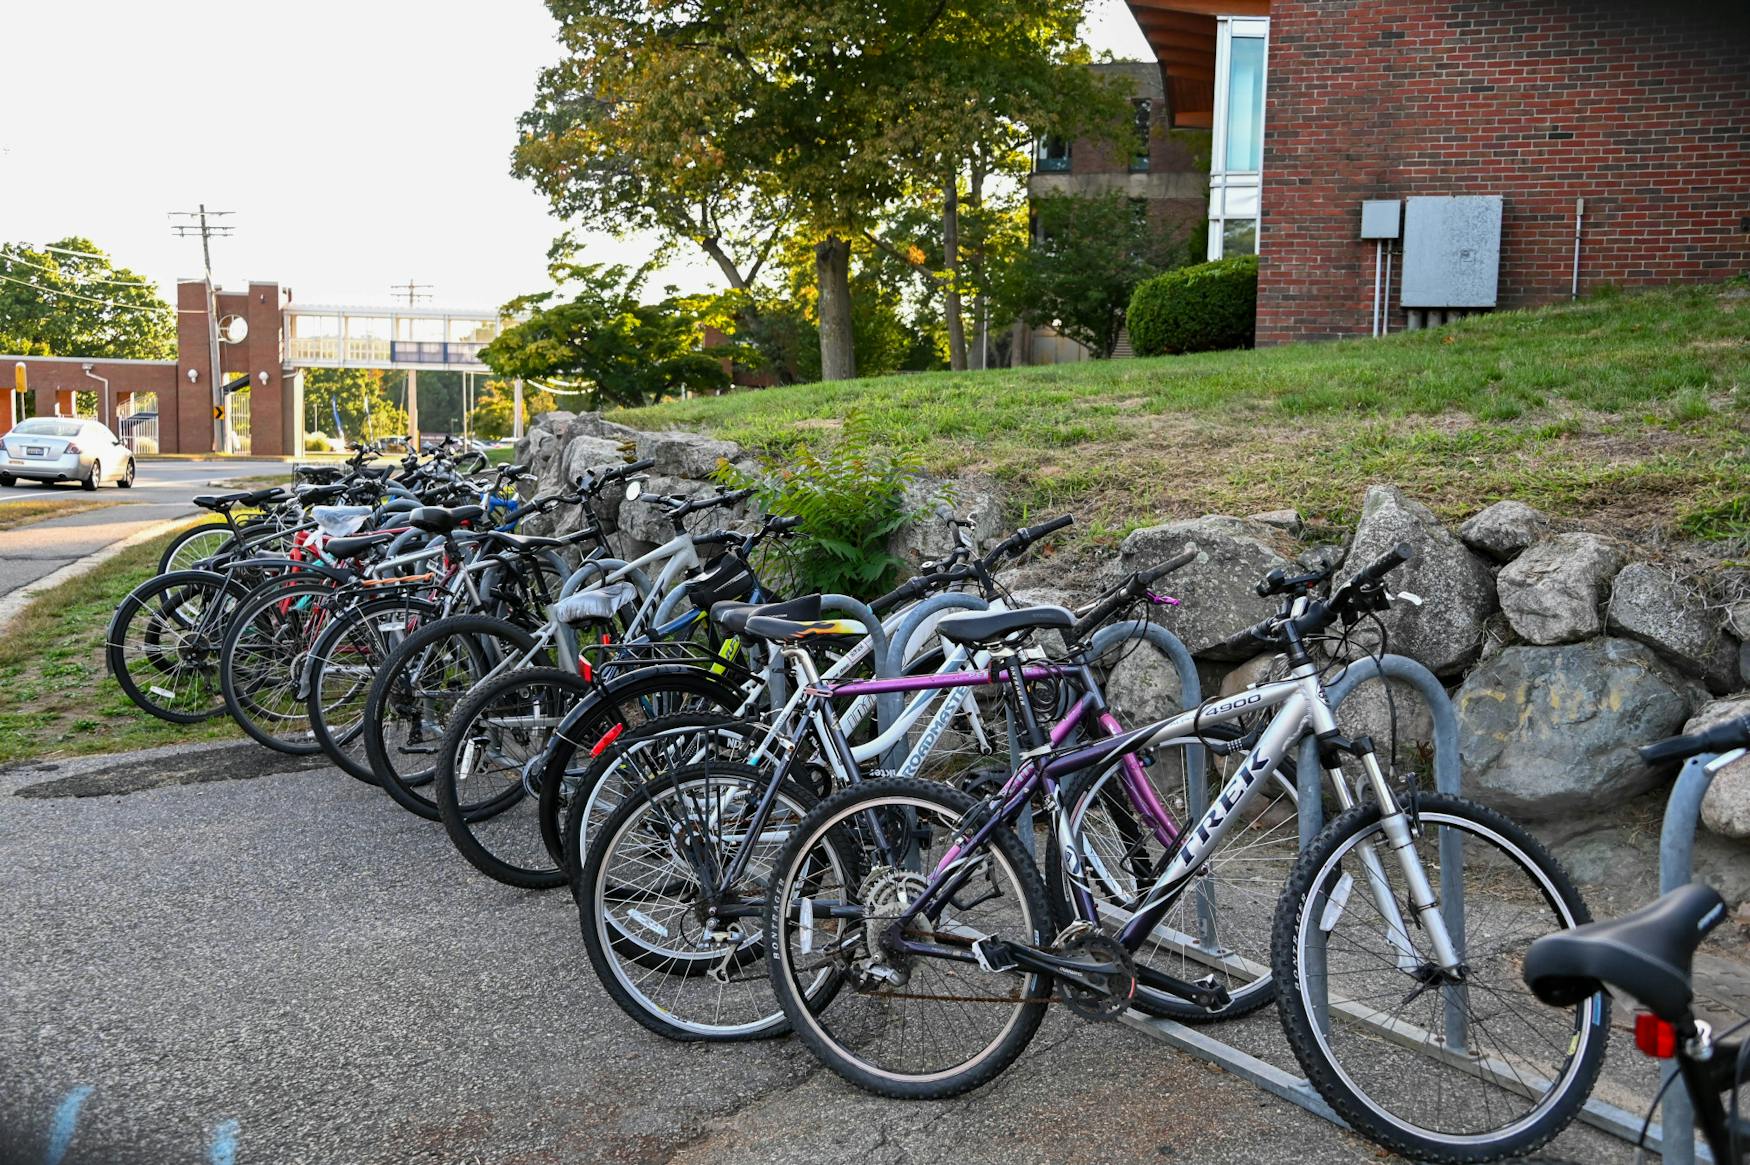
[(1648, 954), (930, 915)]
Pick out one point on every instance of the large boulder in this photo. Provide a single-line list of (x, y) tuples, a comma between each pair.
[(1726, 807), (1445, 633), (1553, 592), (681, 454), (537, 447), (592, 425), (929, 536), (1217, 592), (1650, 604), (1503, 529), (1547, 731), (581, 455)]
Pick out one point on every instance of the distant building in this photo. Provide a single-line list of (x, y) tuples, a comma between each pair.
[(1160, 168), (1316, 106)]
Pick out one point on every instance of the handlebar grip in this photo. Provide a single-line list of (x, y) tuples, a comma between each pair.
[(618, 472), (1029, 534), (784, 525), (1387, 562), (1253, 637), (1184, 558), (1720, 738), (899, 594)]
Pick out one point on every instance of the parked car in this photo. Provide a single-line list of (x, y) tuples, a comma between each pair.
[(46, 449)]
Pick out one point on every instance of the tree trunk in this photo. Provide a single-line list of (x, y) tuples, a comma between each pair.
[(724, 263), (979, 308), (951, 264), (832, 273)]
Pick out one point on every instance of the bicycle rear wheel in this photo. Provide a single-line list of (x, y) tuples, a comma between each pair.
[(1456, 1069), (918, 1027), (265, 656), (343, 665), (416, 694), (490, 765)]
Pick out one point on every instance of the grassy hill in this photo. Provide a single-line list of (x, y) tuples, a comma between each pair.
[(1630, 411)]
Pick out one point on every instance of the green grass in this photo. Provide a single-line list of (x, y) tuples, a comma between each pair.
[(56, 698), (1630, 409), (33, 510)]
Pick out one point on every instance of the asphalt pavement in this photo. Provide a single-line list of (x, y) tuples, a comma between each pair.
[(217, 954), (162, 491)]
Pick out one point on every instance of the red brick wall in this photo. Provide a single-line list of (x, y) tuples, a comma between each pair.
[(1641, 109)]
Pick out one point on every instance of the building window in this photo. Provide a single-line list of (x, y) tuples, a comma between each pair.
[(1052, 155), (1143, 111), (1237, 151)]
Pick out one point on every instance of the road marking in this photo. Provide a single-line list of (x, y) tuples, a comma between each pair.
[(224, 1150), (66, 1121)]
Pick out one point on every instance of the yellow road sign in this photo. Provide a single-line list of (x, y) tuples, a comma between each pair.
[(218, 412)]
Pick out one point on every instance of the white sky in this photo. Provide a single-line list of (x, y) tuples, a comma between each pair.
[(379, 152)]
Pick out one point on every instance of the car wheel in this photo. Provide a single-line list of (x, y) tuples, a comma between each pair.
[(89, 483), (7, 480), (126, 480)]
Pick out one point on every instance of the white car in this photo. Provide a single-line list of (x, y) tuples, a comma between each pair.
[(46, 449)]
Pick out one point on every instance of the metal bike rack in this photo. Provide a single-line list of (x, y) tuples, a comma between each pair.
[(890, 658), (1287, 1085), (1676, 868)]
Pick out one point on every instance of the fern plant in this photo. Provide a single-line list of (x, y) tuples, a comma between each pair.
[(850, 500)]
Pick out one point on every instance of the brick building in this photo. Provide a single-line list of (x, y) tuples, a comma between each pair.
[(1316, 106)]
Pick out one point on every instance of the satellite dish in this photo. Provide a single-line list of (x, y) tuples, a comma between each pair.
[(233, 329)]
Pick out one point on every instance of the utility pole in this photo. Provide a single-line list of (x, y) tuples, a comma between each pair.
[(207, 231), (410, 291)]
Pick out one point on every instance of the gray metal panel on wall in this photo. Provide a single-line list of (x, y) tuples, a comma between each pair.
[(1452, 251)]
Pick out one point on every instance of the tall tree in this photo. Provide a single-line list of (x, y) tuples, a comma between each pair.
[(742, 119), (72, 300)]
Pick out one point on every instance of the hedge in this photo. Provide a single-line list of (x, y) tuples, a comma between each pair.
[(1196, 309)]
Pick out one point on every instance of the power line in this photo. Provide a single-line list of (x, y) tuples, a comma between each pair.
[(11, 258), (413, 292), (99, 302)]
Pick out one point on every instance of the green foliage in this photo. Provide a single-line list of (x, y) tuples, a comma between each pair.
[(368, 410), (850, 500), (604, 341), (317, 442), (1091, 254), (1197, 309), (47, 308)]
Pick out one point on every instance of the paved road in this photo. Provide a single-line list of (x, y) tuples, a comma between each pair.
[(161, 492), (204, 955)]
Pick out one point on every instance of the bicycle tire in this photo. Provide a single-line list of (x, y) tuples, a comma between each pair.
[(1298, 987), (165, 602), (464, 823)]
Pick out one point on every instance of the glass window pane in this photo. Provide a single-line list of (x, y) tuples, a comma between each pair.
[(1245, 103), (1239, 236), (1242, 201)]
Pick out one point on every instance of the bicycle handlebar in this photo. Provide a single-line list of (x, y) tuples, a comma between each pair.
[(1720, 738), (1124, 593)]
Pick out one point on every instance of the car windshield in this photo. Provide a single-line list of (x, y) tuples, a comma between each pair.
[(47, 427)]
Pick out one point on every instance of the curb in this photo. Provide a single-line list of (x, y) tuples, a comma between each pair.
[(15, 602)]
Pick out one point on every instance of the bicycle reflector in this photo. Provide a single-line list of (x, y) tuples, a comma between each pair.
[(613, 734), (1654, 1036)]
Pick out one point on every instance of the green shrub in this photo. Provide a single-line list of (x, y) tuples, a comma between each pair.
[(850, 500), (317, 443), (1196, 309)]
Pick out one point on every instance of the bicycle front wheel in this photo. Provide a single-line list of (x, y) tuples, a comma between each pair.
[(1461, 1067)]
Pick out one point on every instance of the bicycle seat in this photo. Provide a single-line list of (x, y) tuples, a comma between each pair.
[(1646, 953), (437, 520), (357, 544), (522, 541), (975, 627), (317, 494), (245, 498), (779, 629), (732, 616)]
